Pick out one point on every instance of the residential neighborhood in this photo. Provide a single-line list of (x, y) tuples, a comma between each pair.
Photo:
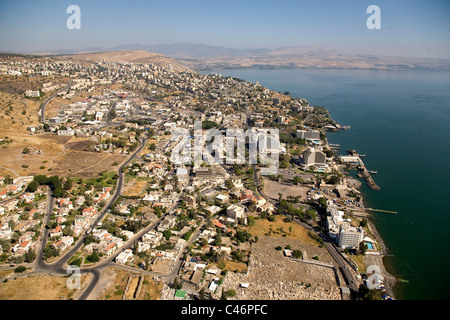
[(189, 220)]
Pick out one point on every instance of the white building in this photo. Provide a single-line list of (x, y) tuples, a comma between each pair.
[(350, 237), (308, 134), (31, 93), (235, 211), (124, 256), (68, 132), (312, 157), (340, 229), (222, 198)]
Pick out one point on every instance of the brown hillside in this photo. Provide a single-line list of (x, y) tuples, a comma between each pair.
[(133, 56)]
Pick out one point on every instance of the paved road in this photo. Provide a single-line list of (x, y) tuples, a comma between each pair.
[(59, 266), (129, 244), (342, 263), (50, 98)]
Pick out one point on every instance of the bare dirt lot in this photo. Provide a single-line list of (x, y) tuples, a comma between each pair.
[(40, 287), (162, 265), (273, 188), (113, 286), (51, 154), (135, 188), (48, 154), (271, 275)]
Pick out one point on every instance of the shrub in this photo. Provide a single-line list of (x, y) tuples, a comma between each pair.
[(20, 269)]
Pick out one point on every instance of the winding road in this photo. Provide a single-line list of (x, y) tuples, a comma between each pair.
[(44, 104), (59, 267)]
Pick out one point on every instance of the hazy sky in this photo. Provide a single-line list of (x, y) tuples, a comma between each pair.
[(408, 28)]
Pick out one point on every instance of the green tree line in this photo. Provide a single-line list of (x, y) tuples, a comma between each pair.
[(53, 182)]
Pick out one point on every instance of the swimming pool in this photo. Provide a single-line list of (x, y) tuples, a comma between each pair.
[(369, 245)]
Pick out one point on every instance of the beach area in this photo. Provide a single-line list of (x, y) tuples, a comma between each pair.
[(388, 279)]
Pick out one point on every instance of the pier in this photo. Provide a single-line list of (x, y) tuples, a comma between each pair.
[(379, 210), (369, 180), (364, 172)]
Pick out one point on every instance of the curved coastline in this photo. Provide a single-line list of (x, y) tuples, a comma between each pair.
[(389, 279), (369, 259)]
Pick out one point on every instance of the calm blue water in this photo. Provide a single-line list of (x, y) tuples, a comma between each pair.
[(400, 120)]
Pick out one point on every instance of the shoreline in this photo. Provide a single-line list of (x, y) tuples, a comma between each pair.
[(389, 279)]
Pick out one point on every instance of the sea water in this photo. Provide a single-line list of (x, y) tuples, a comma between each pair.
[(400, 120)]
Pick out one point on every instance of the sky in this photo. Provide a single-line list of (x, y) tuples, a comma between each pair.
[(414, 28)]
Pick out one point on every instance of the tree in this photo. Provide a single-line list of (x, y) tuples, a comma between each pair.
[(20, 269), (229, 184), (167, 234), (209, 125), (94, 257), (334, 179), (68, 184), (363, 247), (32, 186), (363, 223), (49, 252), (310, 214), (29, 256), (203, 242), (322, 202), (297, 254), (369, 294)]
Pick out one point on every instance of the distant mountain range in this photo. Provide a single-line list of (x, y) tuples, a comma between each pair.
[(205, 57)]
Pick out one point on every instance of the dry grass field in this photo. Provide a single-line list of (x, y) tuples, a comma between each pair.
[(40, 287), (48, 154), (54, 155), (135, 188), (281, 229), (115, 282)]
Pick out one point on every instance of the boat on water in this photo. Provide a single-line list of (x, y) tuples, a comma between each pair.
[(373, 171)]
